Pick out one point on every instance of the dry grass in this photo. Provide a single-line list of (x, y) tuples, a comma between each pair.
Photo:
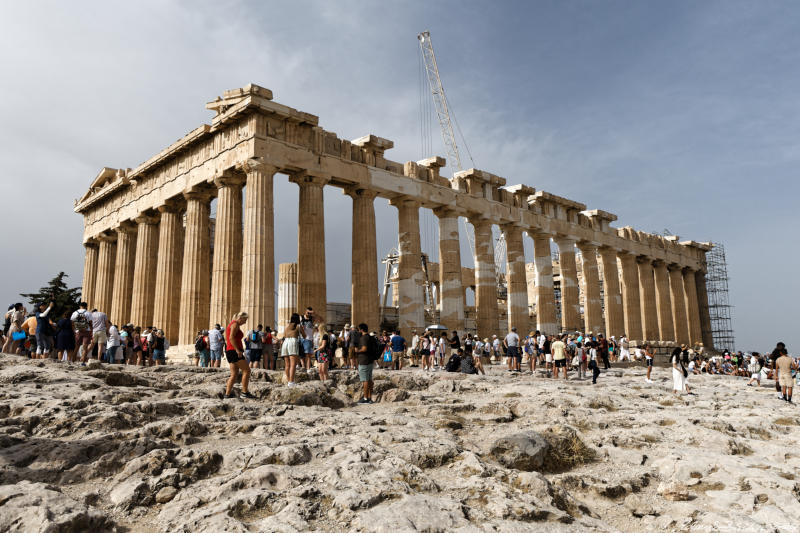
[(786, 421), (567, 450)]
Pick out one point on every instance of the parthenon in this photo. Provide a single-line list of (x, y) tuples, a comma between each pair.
[(148, 238)]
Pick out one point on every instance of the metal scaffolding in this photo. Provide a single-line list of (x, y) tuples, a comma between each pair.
[(719, 307)]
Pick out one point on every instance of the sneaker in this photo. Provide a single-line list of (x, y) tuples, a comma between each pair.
[(291, 384), (649, 380), (363, 400), (369, 401), (248, 395), (231, 395)]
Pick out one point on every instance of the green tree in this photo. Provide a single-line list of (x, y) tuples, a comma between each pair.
[(56, 291)]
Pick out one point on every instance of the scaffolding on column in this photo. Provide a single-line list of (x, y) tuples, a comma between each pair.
[(719, 307)]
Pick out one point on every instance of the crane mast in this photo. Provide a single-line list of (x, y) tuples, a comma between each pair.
[(439, 98)]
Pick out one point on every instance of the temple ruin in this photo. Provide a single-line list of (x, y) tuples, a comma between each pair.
[(148, 237)]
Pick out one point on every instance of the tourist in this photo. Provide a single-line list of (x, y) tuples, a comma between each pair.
[(455, 343), (602, 350), (160, 352), (323, 352), (580, 354), (454, 363), (783, 367), (511, 343), (547, 349), (215, 345), (200, 346), (559, 350), (441, 351), (468, 344), (425, 351), (114, 341), (256, 341), (624, 348), (754, 368), (234, 353), (594, 346), (269, 349), (467, 363), (344, 343), (290, 348), (398, 346), (648, 357), (679, 373), (774, 356), (44, 331), (14, 316), (368, 351), (415, 349), (137, 346), (307, 325), (480, 357), (65, 338), (100, 325)]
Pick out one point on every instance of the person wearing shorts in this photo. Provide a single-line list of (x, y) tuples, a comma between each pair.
[(559, 354), (511, 342), (366, 362), (216, 346), (235, 356), (159, 353), (784, 366), (648, 357), (82, 324)]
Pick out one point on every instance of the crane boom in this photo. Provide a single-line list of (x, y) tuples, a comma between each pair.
[(439, 98)]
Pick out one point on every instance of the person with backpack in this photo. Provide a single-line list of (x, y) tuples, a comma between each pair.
[(454, 363), (368, 353), (256, 342), (200, 346), (82, 324)]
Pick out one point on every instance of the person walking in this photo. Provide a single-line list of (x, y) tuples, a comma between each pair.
[(648, 357), (44, 331), (159, 349), (559, 357), (65, 338), (100, 325), (679, 374), (290, 348), (784, 366), (511, 342), (234, 353), (323, 352), (754, 368)]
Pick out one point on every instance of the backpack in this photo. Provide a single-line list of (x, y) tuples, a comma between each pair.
[(454, 364), (253, 336), (374, 348), (199, 344), (81, 321)]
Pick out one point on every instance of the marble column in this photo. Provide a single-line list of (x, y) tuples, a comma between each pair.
[(705, 316), (631, 305), (409, 272), (545, 295), (570, 297), (678, 299), (123, 275), (89, 272), (613, 298), (647, 299), (592, 306), (666, 328), (196, 269), (258, 261), (364, 293), (486, 315), (692, 309), (516, 282), (287, 293), (311, 283), (104, 285), (144, 275), (450, 283), (226, 269), (168, 271)]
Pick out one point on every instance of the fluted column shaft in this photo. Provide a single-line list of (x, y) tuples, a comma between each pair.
[(592, 306), (144, 276), (258, 261), (364, 293), (692, 309), (451, 290), (311, 282), (196, 270), (570, 297), (226, 269), (702, 303), (410, 283), (89, 273), (631, 305), (123, 275), (168, 272), (486, 316), (287, 293), (611, 290), (545, 295), (678, 300), (104, 285), (647, 299), (516, 282), (666, 327)]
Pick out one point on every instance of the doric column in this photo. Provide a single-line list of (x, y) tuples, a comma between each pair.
[(486, 319), (364, 293), (287, 293), (226, 269), (89, 272), (545, 296), (196, 269), (516, 283), (123, 274), (450, 283), (410, 283), (592, 306), (666, 327), (611, 291), (258, 261), (678, 299), (311, 284), (144, 277), (168, 270), (106, 261), (570, 298), (647, 299), (692, 309), (631, 306), (702, 303)]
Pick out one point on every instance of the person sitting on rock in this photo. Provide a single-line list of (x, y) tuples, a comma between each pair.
[(468, 364), (454, 363)]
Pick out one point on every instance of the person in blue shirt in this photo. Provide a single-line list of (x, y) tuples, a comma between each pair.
[(398, 350)]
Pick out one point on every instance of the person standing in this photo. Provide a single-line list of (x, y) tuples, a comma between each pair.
[(593, 347), (256, 339), (648, 357), (290, 348), (511, 342), (44, 331), (15, 318), (455, 343), (603, 347), (100, 325), (425, 351), (114, 341), (65, 338), (269, 348), (160, 352), (784, 366), (441, 351), (234, 353), (559, 350), (679, 374), (773, 358), (307, 325), (367, 353), (624, 348), (215, 345), (398, 345), (754, 368), (415, 348)]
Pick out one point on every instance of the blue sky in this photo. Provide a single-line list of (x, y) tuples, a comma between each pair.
[(673, 115)]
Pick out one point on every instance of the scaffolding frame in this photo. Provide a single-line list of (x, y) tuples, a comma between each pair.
[(719, 306)]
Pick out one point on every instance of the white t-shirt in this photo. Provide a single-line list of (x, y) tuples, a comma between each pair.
[(113, 337), (415, 342), (541, 340), (512, 339), (496, 345)]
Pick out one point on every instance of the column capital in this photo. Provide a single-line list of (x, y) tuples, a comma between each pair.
[(657, 263), (446, 212), (148, 218), (173, 205), (688, 269), (309, 179), (228, 178), (256, 164), (585, 246), (479, 220), (107, 237), (203, 193), (90, 243), (360, 192), (565, 241), (126, 227), (607, 250), (674, 266), (538, 233), (404, 201)]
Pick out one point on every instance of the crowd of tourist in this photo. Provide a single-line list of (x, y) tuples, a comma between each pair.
[(82, 334)]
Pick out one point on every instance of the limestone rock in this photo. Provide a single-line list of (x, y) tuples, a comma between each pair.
[(38, 507), (522, 451)]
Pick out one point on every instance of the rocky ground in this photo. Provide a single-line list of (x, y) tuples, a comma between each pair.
[(129, 449)]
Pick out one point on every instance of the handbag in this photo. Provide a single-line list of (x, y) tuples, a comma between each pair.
[(387, 356), (18, 335)]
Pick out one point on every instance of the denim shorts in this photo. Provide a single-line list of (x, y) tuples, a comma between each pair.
[(308, 346), (365, 372), (159, 355), (216, 355)]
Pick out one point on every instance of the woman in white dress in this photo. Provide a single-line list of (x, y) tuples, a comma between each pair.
[(679, 382)]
